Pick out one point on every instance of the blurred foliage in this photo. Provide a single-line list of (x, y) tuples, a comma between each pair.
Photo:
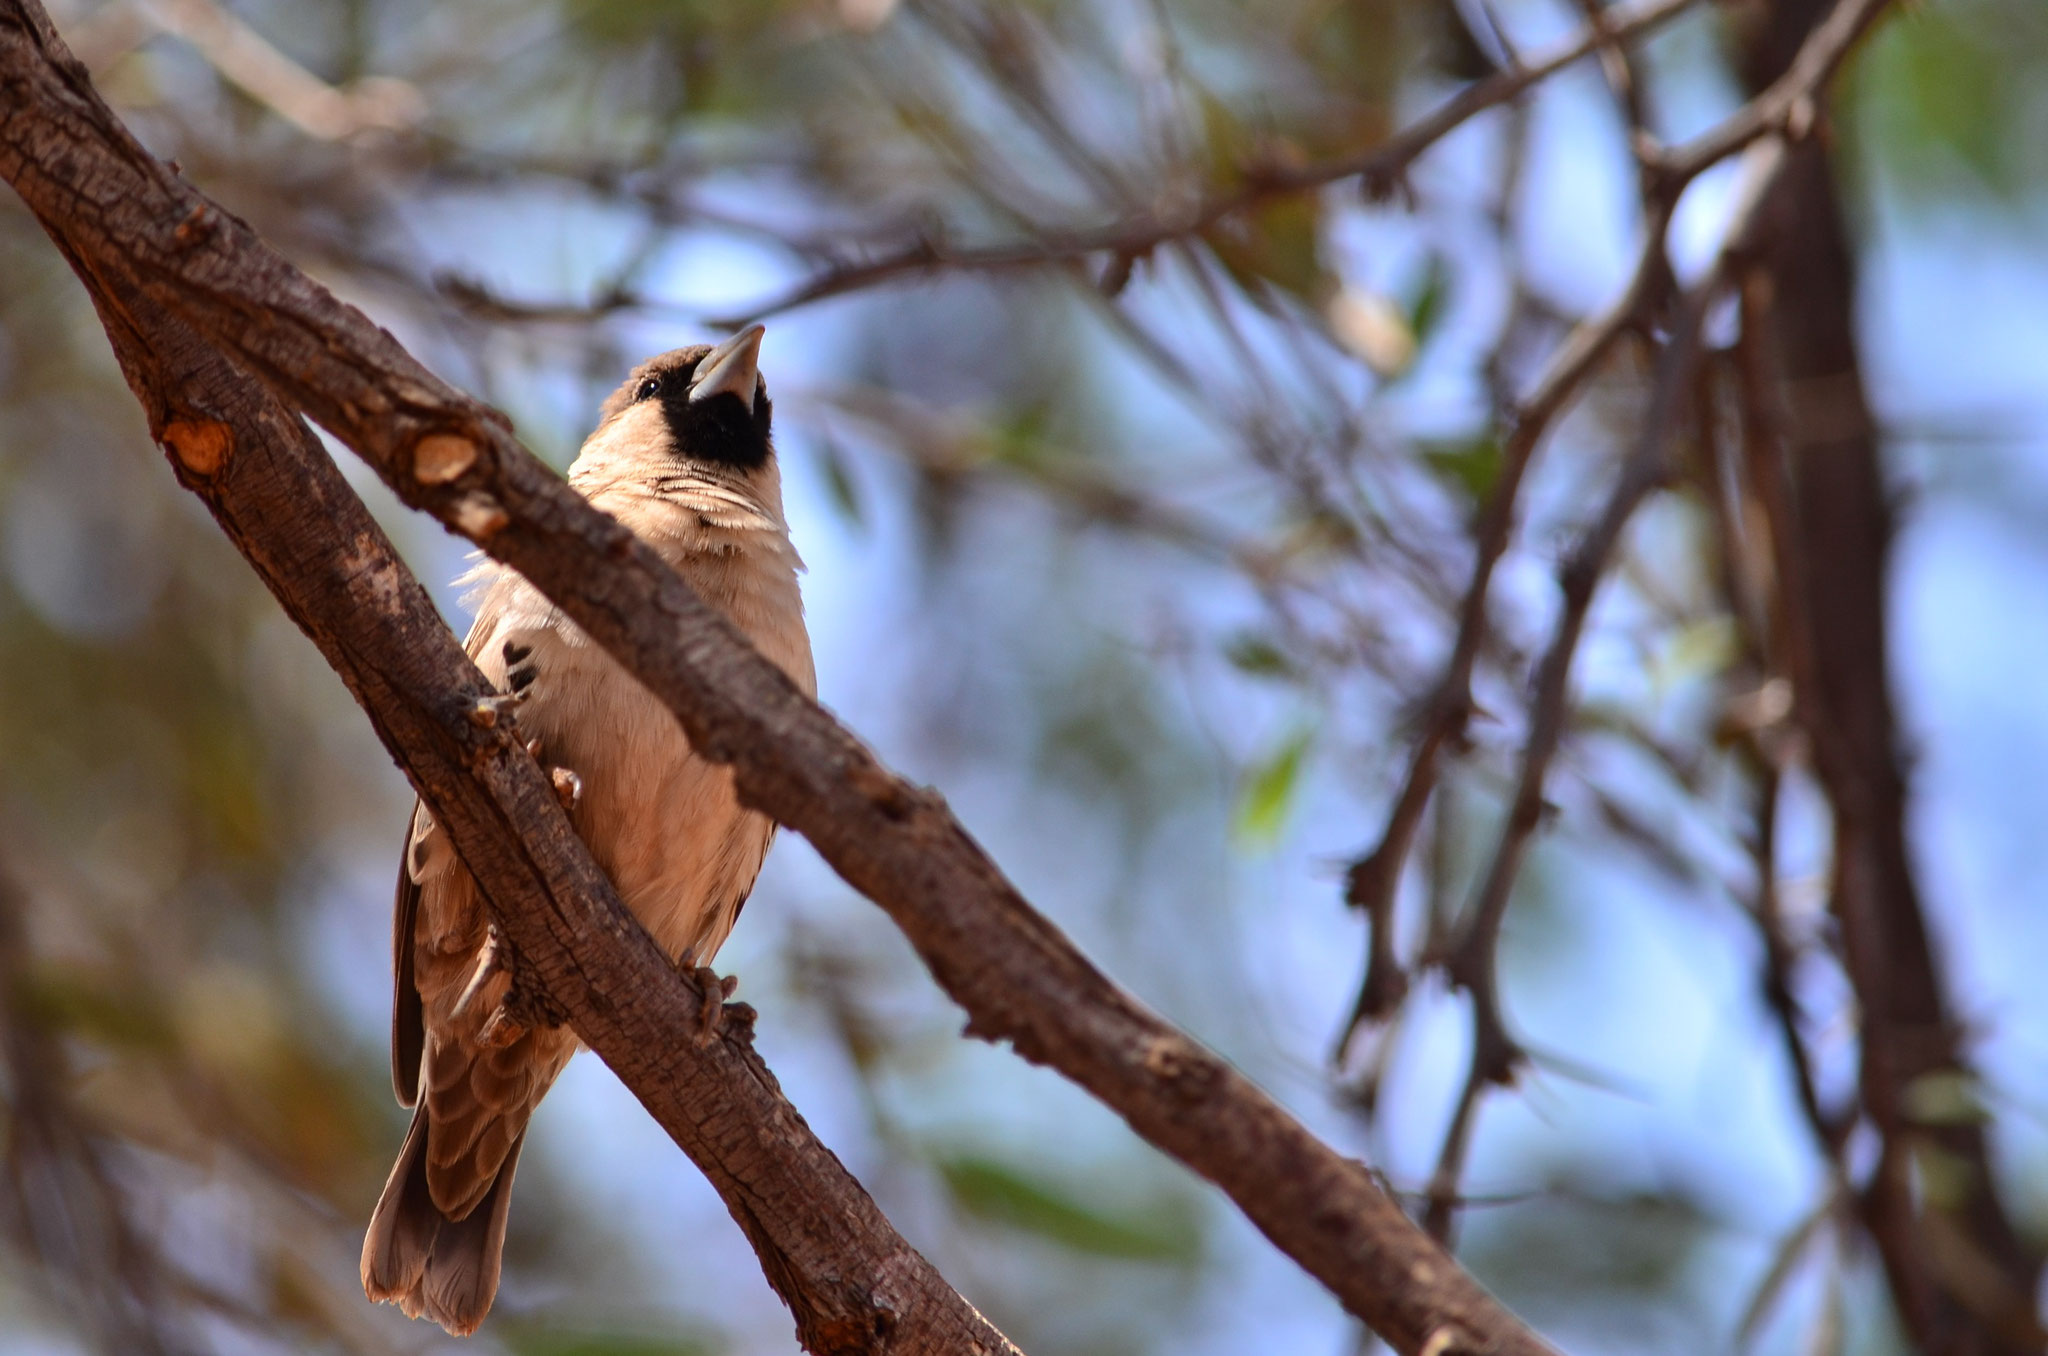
[(1582, 1260), (1471, 465), (544, 1340), (989, 1189), (1951, 92), (1269, 791)]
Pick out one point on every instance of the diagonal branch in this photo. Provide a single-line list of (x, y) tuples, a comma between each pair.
[(854, 1285), (137, 234)]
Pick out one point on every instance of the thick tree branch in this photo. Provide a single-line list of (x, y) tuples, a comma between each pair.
[(131, 227)]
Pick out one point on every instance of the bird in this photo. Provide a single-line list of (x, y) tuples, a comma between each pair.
[(682, 456)]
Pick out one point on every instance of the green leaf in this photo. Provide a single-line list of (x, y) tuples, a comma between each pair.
[(1944, 1097), (1698, 650), (1002, 1194), (1946, 86), (1426, 307), (1022, 440), (1268, 792), (1278, 242), (1947, 1180), (839, 482), (73, 999), (1317, 535), (1256, 655), (1472, 465), (1225, 139)]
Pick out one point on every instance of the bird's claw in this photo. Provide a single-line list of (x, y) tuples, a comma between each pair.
[(488, 962), (500, 1030), (717, 988), (568, 787)]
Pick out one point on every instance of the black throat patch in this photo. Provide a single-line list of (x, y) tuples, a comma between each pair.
[(723, 430)]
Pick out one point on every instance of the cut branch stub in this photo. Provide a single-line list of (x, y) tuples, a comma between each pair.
[(200, 446), (441, 457)]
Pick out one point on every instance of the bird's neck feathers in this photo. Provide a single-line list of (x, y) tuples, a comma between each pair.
[(629, 468)]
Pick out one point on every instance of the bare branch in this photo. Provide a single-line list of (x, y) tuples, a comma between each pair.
[(1374, 878), (1791, 106)]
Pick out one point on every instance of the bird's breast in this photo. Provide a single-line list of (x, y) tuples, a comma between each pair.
[(663, 822)]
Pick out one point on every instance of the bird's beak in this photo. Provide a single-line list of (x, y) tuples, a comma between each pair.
[(731, 368)]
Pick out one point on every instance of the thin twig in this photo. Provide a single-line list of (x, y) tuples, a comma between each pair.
[(1625, 82), (1471, 963), (1790, 107), (1135, 238), (1373, 879)]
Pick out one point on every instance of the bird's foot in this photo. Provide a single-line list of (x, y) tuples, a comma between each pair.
[(716, 988), (489, 961), (568, 786), (501, 1029), (517, 1010), (499, 707)]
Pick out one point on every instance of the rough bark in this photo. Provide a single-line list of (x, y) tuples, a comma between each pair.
[(133, 230)]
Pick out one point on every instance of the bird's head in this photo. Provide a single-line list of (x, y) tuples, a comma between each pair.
[(704, 407)]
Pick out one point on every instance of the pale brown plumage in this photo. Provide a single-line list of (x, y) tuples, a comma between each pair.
[(682, 458)]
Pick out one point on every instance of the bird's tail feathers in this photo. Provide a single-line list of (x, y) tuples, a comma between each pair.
[(427, 1264)]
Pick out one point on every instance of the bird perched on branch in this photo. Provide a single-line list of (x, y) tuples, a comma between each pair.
[(682, 457)]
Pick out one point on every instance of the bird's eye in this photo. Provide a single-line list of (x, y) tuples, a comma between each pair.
[(648, 389)]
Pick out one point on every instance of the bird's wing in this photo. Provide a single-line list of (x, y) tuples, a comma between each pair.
[(408, 1025), (427, 854)]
